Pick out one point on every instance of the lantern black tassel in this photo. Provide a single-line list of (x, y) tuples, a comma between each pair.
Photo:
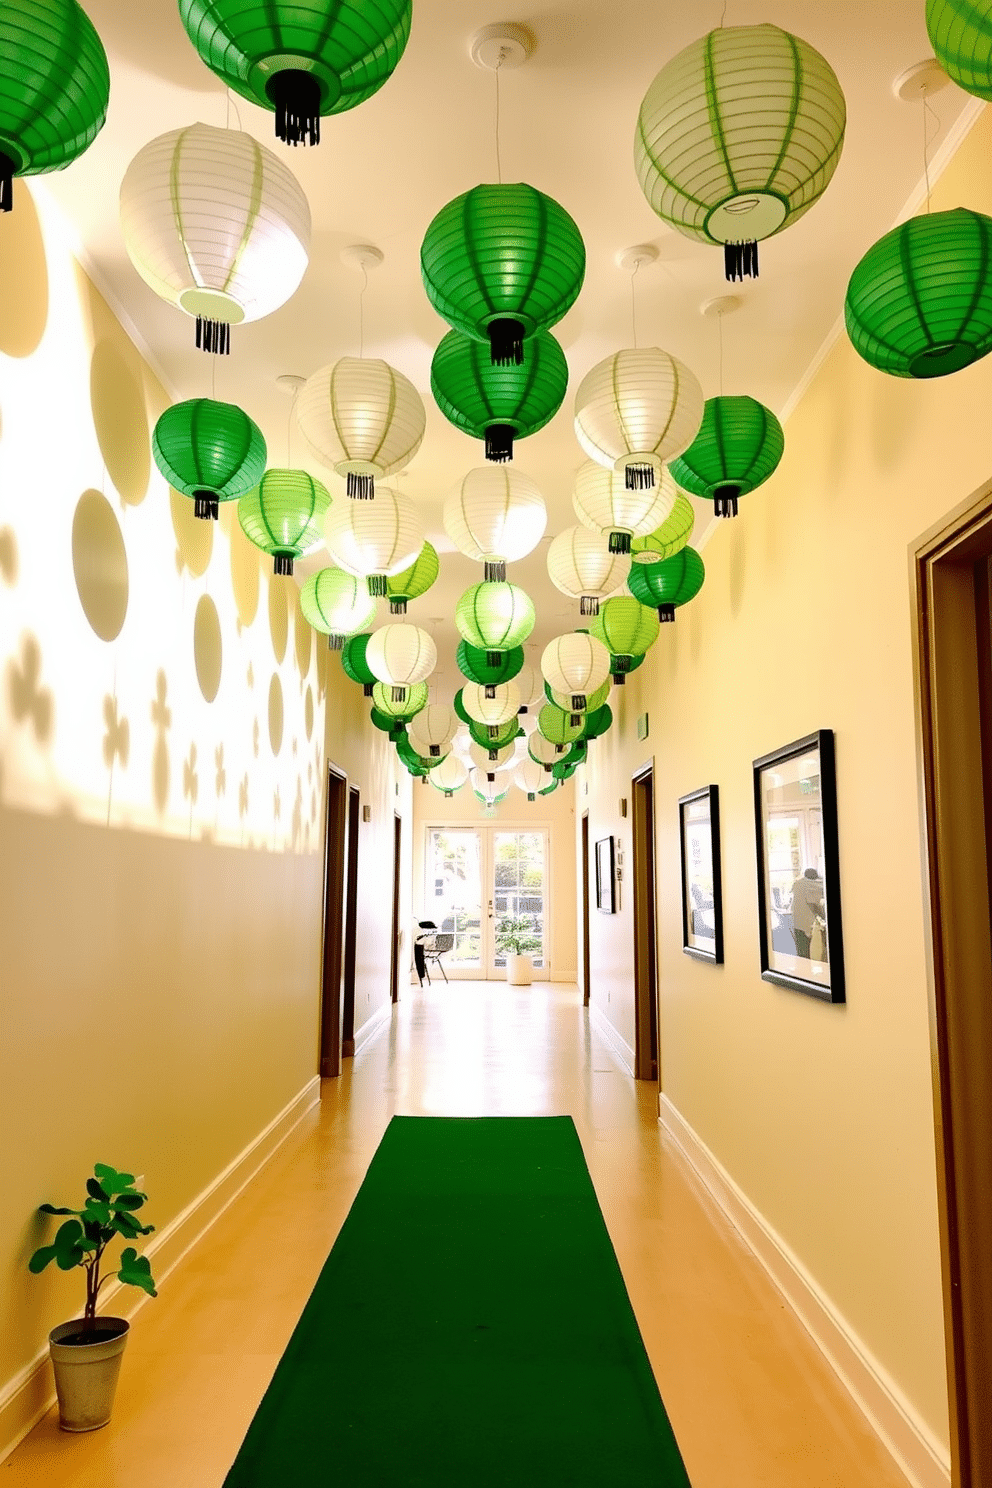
[(6, 183), (666, 613), (621, 664), (368, 688), (619, 542), (521, 710), (578, 701), (493, 730), (559, 749), (494, 754), (531, 796), (206, 506), (213, 336), (495, 573), (575, 720), (494, 658), (491, 778), (377, 585), (360, 487), (740, 260), (725, 500), (638, 477), (620, 679), (296, 95), (282, 564), (588, 605), (499, 443), (335, 642), (506, 343), (490, 690), (547, 769), (435, 751), (397, 606), (399, 694)]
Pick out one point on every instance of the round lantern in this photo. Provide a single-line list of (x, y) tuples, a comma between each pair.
[(495, 516), (627, 629), (961, 37), (668, 584), (530, 684), (472, 664), (582, 565), (673, 534), (449, 776), (353, 657), (485, 785), (284, 516), (217, 225), (492, 738), (394, 727), (300, 61), (433, 729), (635, 410), (563, 770), (598, 722), (413, 581), (492, 760), (416, 763), (564, 700), (502, 263), (530, 777), (406, 707), (919, 304), (576, 665), (738, 136), (556, 725), (543, 751), (622, 666), (401, 655), (493, 711), (578, 754), (209, 451), (550, 788), (737, 448), (54, 88), (498, 403), (363, 419), (374, 538), (495, 617), (337, 604), (602, 502)]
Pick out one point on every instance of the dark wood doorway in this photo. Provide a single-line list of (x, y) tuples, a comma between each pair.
[(350, 928), (334, 882), (953, 573), (586, 977), (645, 961), (394, 954)]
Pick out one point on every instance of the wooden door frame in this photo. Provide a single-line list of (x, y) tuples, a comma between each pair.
[(350, 924), (394, 951), (586, 908), (647, 1054), (332, 932), (954, 771)]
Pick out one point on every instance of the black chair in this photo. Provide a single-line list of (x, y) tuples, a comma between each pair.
[(433, 944)]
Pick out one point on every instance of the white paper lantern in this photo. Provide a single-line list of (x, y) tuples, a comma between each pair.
[(635, 410), (530, 685), (449, 776), (488, 788), (603, 503), (544, 752), (363, 419), (495, 515), (400, 655), (337, 604), (217, 225), (433, 729), (531, 777), (493, 759), (491, 711), (582, 566), (576, 665), (374, 538)]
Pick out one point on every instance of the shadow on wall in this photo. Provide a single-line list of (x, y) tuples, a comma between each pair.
[(31, 705), (9, 558), (99, 565), (23, 278), (194, 537), (120, 417)]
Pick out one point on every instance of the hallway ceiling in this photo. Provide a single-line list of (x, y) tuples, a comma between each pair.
[(384, 169)]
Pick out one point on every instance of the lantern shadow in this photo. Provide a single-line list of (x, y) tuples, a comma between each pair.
[(302, 637), (99, 565), (31, 704), (120, 417), (10, 563), (276, 714), (23, 278), (194, 536), (279, 601), (738, 567), (208, 649), (161, 715), (245, 568), (308, 713), (894, 419), (323, 662)]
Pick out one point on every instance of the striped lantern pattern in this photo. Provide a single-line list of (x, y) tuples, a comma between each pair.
[(673, 534), (495, 617), (408, 705), (495, 515), (560, 727), (337, 604), (543, 752), (284, 515), (582, 565), (530, 685), (363, 419), (374, 538), (575, 665), (414, 581), (492, 760), (530, 777), (433, 729), (492, 712), (498, 403), (627, 629), (602, 502), (635, 410), (737, 448), (216, 224), (449, 776), (209, 451), (669, 584), (593, 700), (961, 37), (401, 655)]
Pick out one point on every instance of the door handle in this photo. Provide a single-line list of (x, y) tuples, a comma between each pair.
[(490, 909)]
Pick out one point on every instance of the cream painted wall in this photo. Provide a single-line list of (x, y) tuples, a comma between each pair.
[(161, 855), (821, 1114)]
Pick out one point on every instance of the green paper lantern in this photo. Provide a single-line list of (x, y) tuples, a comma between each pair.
[(473, 664), (599, 722), (209, 451), (495, 617), (563, 770), (502, 263), (354, 664), (628, 663), (961, 37), (300, 59), (54, 88), (919, 303), (667, 585), (627, 629), (337, 604), (578, 754), (414, 761), (284, 515), (557, 726), (673, 534), (504, 735), (498, 403), (737, 448), (404, 708), (563, 700), (413, 581), (459, 708), (549, 789), (394, 727)]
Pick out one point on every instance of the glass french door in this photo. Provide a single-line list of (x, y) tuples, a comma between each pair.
[(486, 887)]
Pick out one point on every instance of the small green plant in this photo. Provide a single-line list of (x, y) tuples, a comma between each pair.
[(111, 1204), (515, 936)]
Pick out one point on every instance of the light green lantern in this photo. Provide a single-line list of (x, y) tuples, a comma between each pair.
[(413, 581), (961, 37), (284, 515), (673, 534), (557, 726), (737, 448), (413, 699), (564, 700), (627, 629), (495, 617), (337, 604)]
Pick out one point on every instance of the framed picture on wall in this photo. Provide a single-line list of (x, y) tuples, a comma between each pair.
[(702, 880), (795, 816), (606, 882)]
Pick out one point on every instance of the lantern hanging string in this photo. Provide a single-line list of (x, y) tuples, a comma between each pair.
[(361, 312), (496, 69), (927, 142), (633, 302), (723, 15), (719, 324)]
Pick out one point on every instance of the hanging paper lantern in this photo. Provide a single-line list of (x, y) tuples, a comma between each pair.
[(217, 225), (669, 584), (737, 448), (433, 729), (599, 721), (363, 419), (54, 88), (209, 451), (284, 516), (622, 666), (498, 403), (530, 777), (602, 502), (495, 517), (401, 655), (353, 657), (530, 685), (919, 303), (493, 739), (502, 263), (413, 581), (337, 604), (673, 534), (627, 629), (961, 37), (575, 664), (635, 410), (411, 702), (543, 751), (495, 617), (738, 136), (563, 770), (394, 727), (493, 711), (449, 776), (488, 790), (564, 700), (556, 725), (582, 565), (374, 538), (300, 61), (416, 763), (578, 754), (492, 760), (472, 663)]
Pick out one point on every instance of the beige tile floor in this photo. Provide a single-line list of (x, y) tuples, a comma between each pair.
[(752, 1402)]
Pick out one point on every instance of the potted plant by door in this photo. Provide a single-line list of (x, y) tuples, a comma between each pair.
[(515, 939), (86, 1353)]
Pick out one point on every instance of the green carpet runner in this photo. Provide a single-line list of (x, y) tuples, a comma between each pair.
[(469, 1327)]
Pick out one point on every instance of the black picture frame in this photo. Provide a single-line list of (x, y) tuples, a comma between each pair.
[(790, 771), (606, 877), (697, 914)]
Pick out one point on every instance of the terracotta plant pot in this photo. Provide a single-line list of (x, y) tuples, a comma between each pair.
[(519, 971), (86, 1370)]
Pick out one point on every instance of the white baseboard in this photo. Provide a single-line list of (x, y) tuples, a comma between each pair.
[(372, 1027), (26, 1398), (616, 1041), (921, 1456)]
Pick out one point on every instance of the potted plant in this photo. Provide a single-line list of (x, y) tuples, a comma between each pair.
[(515, 939), (86, 1353)]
